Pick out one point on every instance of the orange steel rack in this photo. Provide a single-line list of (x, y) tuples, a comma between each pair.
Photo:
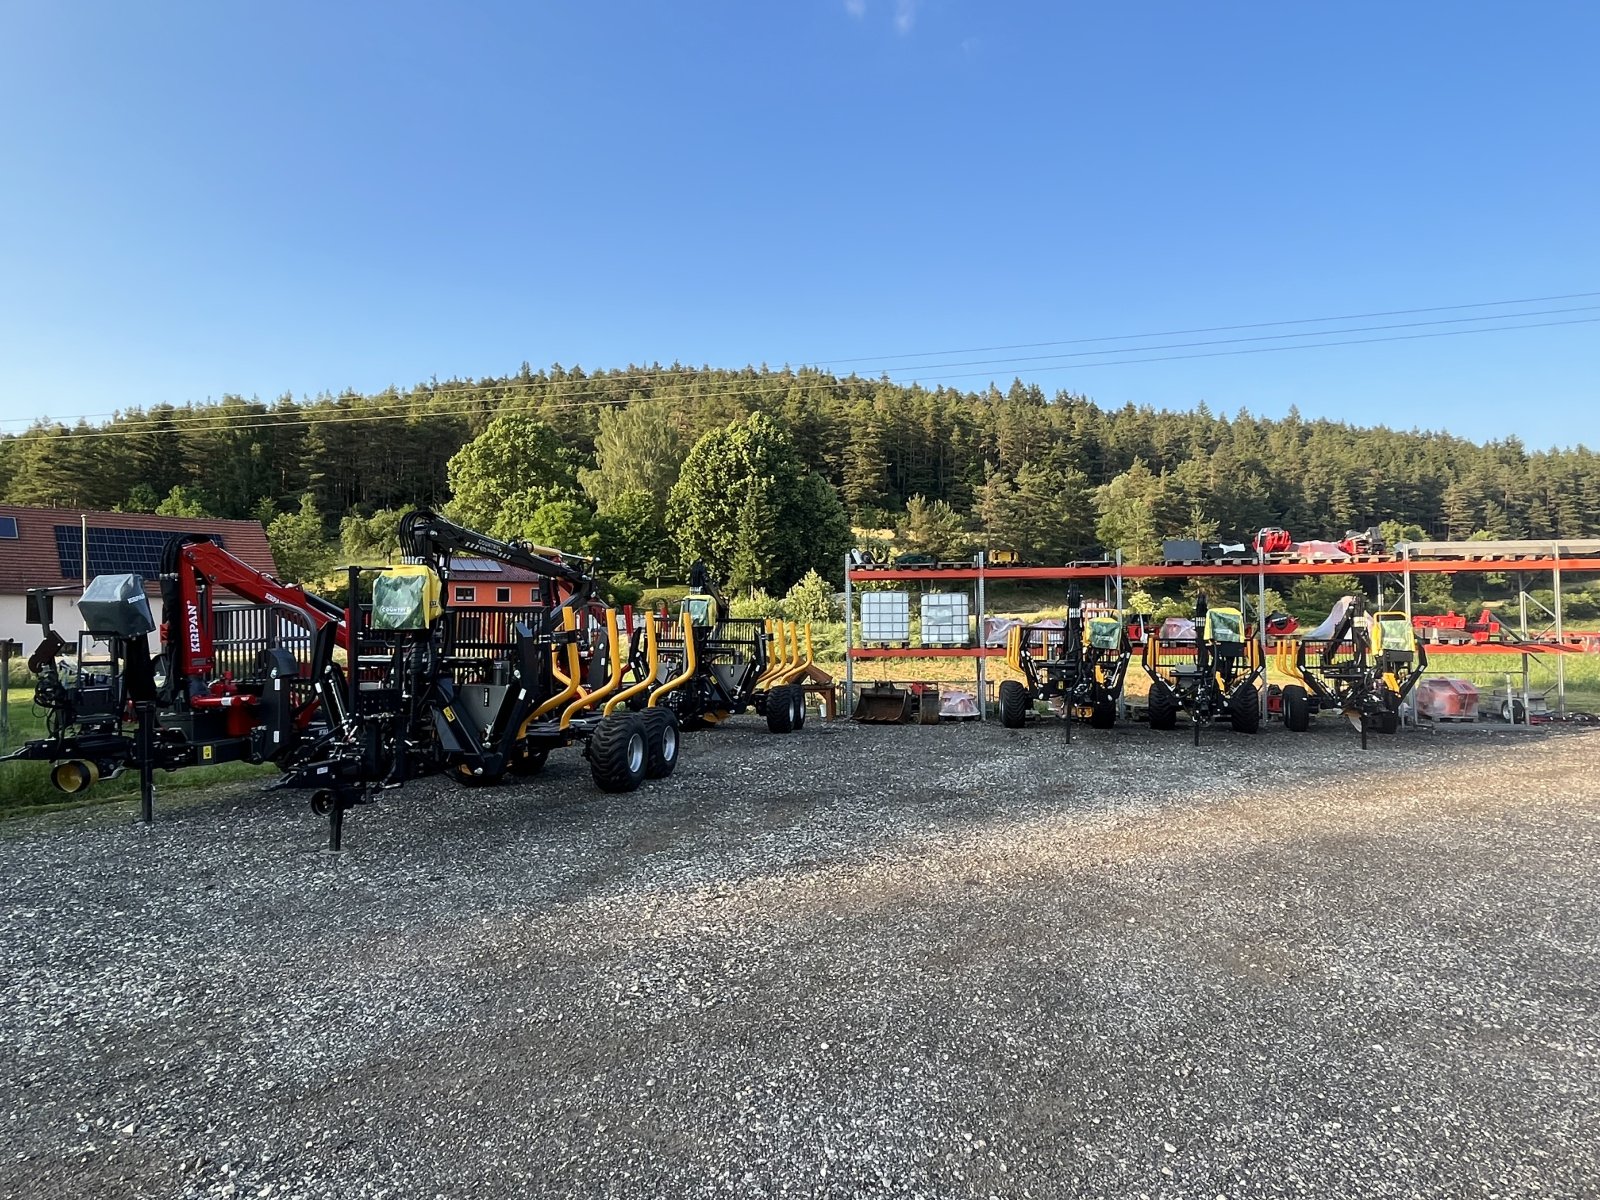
[(1564, 557)]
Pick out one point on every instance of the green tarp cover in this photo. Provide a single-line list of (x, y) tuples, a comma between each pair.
[(1396, 635), (1227, 625), (1105, 633), (398, 602), (701, 611)]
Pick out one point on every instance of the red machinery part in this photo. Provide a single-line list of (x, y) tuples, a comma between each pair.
[(1273, 541), (1447, 700)]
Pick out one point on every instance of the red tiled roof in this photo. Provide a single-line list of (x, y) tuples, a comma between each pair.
[(31, 559)]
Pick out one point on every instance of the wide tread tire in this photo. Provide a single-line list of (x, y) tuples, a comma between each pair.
[(1296, 708), (662, 742), (1013, 704), (1103, 715), (1163, 707), (618, 752), (780, 710), (1244, 710)]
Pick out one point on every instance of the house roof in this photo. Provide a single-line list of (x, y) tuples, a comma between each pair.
[(484, 570), (47, 549)]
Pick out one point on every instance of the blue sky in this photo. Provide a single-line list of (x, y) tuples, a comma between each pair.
[(204, 198)]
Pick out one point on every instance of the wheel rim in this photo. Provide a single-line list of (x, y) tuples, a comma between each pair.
[(669, 743), (635, 752)]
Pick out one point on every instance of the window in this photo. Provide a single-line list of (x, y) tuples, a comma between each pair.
[(466, 595), (502, 595), (8, 527)]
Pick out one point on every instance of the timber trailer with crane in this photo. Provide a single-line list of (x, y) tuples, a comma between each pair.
[(556, 682), (111, 706), (1081, 667), (1212, 670), (1365, 668)]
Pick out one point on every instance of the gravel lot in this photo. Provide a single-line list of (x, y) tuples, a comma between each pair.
[(949, 961)]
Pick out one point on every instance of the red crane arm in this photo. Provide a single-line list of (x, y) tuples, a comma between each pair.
[(192, 568)]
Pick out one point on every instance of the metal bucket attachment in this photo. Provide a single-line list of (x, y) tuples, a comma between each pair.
[(885, 705)]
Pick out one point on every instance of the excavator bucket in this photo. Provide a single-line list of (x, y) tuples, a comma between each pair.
[(883, 704)]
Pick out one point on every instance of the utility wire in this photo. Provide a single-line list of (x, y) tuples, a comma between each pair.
[(1133, 337), (319, 417), (677, 372), (1405, 337), (1264, 337), (199, 418)]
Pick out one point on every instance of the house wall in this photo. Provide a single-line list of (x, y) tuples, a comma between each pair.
[(65, 620), (486, 594)]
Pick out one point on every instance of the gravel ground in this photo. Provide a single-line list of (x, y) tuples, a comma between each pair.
[(947, 961)]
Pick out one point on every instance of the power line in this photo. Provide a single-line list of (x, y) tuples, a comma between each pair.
[(1266, 337), (677, 372), (1133, 337), (199, 418), (418, 400), (1405, 337), (298, 420)]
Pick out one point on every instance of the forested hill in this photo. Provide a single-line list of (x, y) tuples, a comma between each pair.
[(1018, 465)]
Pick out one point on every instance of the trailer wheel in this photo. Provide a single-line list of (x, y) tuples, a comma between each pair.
[(661, 742), (1103, 715), (529, 761), (780, 710), (1296, 708), (1388, 722), (1244, 709), (1013, 704), (799, 721), (1163, 706), (617, 753)]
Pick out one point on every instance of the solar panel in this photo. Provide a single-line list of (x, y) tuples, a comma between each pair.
[(112, 551), (8, 527), (475, 564)]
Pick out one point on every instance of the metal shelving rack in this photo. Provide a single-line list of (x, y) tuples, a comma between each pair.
[(1559, 558)]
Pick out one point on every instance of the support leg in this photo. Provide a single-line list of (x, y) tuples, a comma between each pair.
[(147, 767)]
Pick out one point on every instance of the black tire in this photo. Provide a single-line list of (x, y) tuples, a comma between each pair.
[(1163, 706), (780, 710), (1013, 704), (529, 760), (1244, 709), (799, 720), (618, 751), (1296, 708), (1388, 722), (1103, 715), (661, 742)]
